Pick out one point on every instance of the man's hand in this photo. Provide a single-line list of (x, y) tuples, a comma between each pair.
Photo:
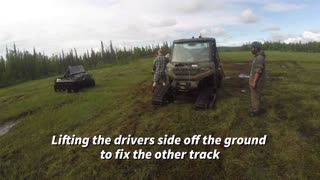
[(253, 84)]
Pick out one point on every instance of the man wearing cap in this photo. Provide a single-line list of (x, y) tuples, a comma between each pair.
[(159, 69), (257, 77)]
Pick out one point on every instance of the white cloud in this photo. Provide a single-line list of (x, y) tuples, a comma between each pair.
[(311, 36), (215, 31), (181, 6), (306, 36), (226, 42), (280, 7), (162, 22), (277, 36), (248, 17), (52, 25), (293, 40)]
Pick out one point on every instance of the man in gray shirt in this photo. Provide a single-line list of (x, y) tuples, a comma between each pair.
[(159, 69), (257, 77)]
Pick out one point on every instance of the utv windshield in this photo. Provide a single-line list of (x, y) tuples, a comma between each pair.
[(191, 52), (75, 69)]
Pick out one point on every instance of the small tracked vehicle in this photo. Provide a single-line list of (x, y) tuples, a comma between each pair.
[(74, 79), (194, 69)]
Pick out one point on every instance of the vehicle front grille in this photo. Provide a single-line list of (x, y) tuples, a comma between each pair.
[(185, 71)]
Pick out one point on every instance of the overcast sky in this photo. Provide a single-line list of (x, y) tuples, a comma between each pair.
[(52, 25)]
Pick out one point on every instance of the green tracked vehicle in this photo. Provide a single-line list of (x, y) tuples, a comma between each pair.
[(194, 68), (74, 79)]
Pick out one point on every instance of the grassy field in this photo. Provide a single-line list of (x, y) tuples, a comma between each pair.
[(120, 104)]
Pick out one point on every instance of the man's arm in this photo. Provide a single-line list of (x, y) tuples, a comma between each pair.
[(255, 80), (154, 65), (258, 69)]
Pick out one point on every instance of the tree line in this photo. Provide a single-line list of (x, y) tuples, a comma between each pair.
[(295, 47), (19, 66)]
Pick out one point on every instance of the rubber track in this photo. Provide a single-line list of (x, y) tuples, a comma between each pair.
[(160, 98), (72, 87), (67, 87), (205, 97)]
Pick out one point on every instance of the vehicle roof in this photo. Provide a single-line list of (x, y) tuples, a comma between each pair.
[(203, 39)]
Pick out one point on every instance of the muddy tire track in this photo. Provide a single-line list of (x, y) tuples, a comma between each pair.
[(22, 115), (11, 99), (8, 123), (140, 107)]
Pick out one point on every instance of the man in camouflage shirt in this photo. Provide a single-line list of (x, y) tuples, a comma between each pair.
[(257, 77), (159, 69)]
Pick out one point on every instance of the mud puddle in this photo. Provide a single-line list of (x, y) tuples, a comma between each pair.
[(247, 76), (12, 121), (243, 90), (244, 76), (5, 128)]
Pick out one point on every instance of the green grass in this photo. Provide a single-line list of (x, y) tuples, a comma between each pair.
[(120, 104)]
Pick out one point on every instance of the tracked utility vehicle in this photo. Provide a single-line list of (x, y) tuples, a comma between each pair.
[(194, 69), (73, 80)]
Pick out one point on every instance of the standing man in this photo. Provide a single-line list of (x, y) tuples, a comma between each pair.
[(257, 77), (159, 69)]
